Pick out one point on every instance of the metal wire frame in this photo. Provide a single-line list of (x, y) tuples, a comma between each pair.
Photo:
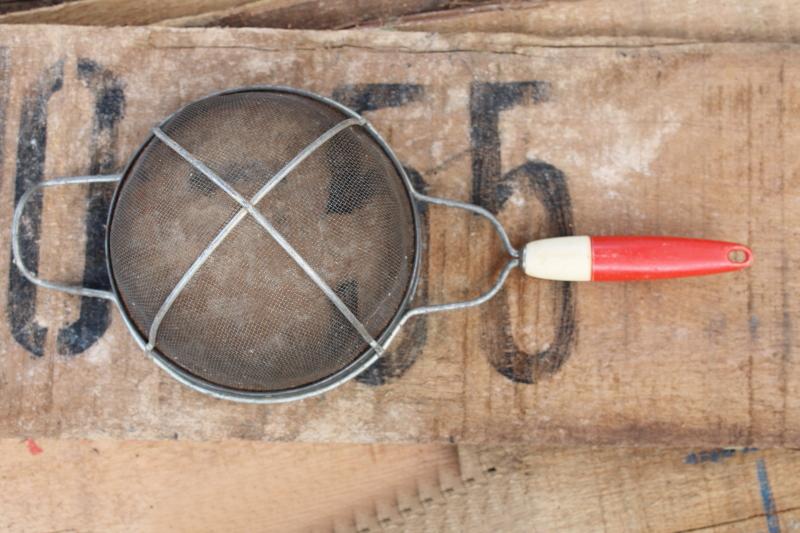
[(363, 361), (15, 245), (248, 207)]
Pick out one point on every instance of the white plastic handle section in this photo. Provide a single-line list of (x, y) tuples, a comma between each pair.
[(559, 258)]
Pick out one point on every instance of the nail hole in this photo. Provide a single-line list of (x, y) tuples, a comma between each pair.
[(738, 256)]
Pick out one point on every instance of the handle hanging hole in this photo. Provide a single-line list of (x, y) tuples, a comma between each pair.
[(738, 256)]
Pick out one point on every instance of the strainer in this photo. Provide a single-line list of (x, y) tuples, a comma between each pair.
[(263, 245)]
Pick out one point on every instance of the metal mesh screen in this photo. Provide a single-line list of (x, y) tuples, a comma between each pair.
[(250, 318)]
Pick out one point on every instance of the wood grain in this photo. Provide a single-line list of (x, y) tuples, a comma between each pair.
[(317, 14), (528, 490), (685, 139), (235, 485), (713, 20), (9, 6), (115, 12), (212, 486)]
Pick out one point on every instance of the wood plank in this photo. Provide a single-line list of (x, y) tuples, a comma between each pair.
[(523, 489), (691, 139), (9, 6), (238, 485), (213, 486), (317, 14), (115, 12), (712, 20), (715, 20)]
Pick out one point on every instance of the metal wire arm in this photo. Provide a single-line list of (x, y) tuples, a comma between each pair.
[(16, 248), (501, 279)]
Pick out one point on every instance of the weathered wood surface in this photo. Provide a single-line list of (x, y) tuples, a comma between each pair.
[(711, 20), (115, 12), (530, 490), (311, 14), (9, 6), (63, 485), (318, 14), (687, 139)]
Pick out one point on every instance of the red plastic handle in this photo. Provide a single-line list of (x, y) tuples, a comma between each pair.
[(634, 258)]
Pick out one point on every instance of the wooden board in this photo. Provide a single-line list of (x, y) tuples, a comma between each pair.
[(710, 20), (530, 490), (9, 6), (52, 485), (317, 14), (714, 20), (115, 12), (62, 485), (687, 139)]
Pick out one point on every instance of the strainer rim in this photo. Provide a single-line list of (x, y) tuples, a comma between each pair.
[(362, 361)]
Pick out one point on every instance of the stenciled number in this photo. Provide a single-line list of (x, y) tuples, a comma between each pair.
[(491, 189), (109, 105), (372, 97)]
